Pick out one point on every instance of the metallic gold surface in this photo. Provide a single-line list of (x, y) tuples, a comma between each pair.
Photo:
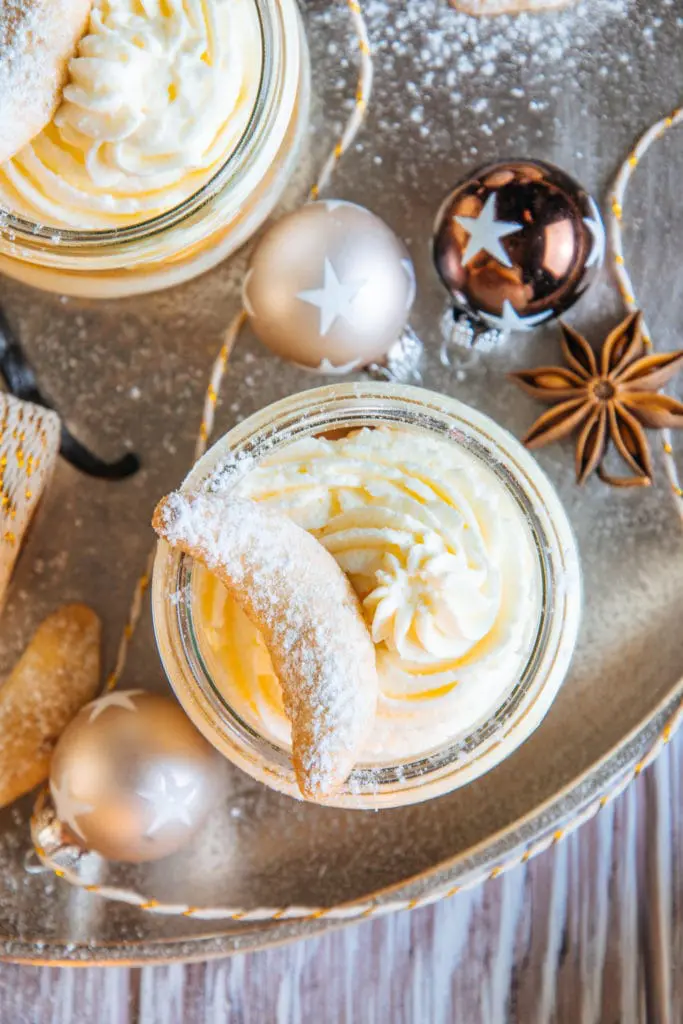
[(135, 371)]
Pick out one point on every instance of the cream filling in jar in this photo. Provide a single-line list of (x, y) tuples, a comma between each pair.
[(443, 562), (159, 95)]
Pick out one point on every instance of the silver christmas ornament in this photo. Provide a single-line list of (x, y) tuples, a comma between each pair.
[(131, 778), (329, 287)]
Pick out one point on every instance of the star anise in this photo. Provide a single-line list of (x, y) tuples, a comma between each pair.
[(607, 397)]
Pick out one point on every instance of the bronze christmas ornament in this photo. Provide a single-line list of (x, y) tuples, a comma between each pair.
[(517, 244)]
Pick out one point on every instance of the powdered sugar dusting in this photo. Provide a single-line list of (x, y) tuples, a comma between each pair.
[(229, 472), (426, 48), (304, 605), (462, 46), (490, 7)]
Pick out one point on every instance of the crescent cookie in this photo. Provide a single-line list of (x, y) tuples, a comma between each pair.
[(308, 613), (37, 39), (56, 675)]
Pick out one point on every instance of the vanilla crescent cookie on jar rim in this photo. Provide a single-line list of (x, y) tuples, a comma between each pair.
[(37, 40), (462, 561), (176, 135)]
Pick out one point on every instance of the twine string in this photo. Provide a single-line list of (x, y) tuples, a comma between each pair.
[(625, 284)]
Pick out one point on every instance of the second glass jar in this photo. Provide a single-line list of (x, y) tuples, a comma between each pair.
[(201, 231)]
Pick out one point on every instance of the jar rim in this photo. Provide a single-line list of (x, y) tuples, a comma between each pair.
[(529, 694), (20, 230)]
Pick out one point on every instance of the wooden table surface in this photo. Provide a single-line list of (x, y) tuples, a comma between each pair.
[(590, 931)]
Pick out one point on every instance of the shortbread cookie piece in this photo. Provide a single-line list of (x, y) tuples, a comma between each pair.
[(56, 675)]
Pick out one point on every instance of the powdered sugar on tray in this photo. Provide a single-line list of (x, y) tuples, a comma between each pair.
[(426, 47), (463, 46)]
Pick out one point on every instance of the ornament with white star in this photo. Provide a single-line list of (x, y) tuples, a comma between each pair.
[(329, 287), (145, 780), (514, 236)]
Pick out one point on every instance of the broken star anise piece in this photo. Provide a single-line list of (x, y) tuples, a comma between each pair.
[(608, 396)]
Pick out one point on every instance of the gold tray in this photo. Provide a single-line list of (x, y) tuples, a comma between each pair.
[(131, 373)]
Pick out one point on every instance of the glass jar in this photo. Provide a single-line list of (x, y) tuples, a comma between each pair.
[(201, 231), (343, 407)]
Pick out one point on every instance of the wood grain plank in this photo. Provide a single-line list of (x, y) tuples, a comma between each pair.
[(621, 999), (674, 758), (56, 995), (656, 904)]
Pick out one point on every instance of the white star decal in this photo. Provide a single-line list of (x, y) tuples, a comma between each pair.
[(170, 801), (246, 301), (334, 204), (486, 232), (511, 320), (410, 274), (68, 808), (595, 226), (326, 366), (333, 300), (122, 699)]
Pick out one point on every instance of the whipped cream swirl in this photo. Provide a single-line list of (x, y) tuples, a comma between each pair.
[(159, 95), (441, 559)]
